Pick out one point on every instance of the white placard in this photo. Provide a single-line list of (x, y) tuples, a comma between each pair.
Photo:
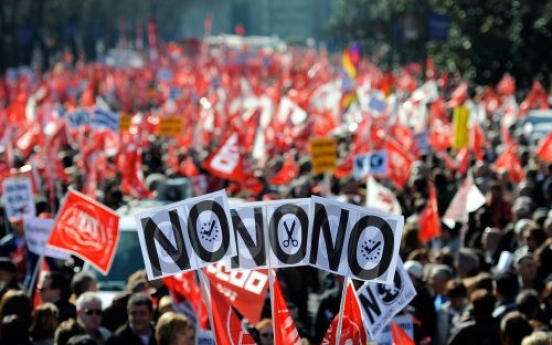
[(37, 232), (405, 322), (354, 241), (18, 197), (381, 302), (186, 235)]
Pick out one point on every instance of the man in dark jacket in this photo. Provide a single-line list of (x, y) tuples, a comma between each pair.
[(139, 328)]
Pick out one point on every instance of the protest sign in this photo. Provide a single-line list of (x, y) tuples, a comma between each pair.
[(170, 126), (354, 241), (405, 322), (18, 197), (87, 229), (186, 235), (37, 232), (380, 302), (277, 230), (324, 154)]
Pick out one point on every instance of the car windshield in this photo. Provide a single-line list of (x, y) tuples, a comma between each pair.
[(127, 260)]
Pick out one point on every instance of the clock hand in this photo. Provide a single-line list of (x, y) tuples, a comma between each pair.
[(208, 233), (374, 247)]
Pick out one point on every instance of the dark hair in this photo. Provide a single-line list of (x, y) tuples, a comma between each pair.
[(528, 303), (45, 321), (58, 281), (139, 298), (507, 285), (514, 327), (66, 330), (13, 330), (483, 304), (81, 282), (456, 288), (18, 303)]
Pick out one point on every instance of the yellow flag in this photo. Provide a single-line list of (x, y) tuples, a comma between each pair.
[(460, 119)]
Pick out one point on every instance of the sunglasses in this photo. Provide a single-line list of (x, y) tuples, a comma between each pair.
[(267, 334), (90, 312)]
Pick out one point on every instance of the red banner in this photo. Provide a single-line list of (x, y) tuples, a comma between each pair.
[(246, 290), (87, 229)]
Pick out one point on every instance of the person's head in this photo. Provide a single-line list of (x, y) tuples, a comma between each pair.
[(415, 270), (533, 237), (506, 286), (140, 312), (265, 330), (82, 282), (164, 305), (89, 311), (438, 278), (13, 330), (137, 282), (457, 293), (528, 303), (526, 268), (466, 263), (16, 302), (514, 326), (53, 286), (537, 338), (483, 303), (174, 329), (66, 330), (491, 239), (44, 321)]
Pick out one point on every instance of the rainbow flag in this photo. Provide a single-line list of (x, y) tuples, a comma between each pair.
[(348, 66)]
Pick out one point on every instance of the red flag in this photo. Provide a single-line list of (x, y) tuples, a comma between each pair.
[(43, 269), (430, 72), (479, 141), (352, 327), (227, 327), (440, 135), (399, 163), (507, 85), (246, 290), (225, 162), (459, 95), (544, 151), (186, 295), (400, 337), (285, 333), (509, 161), (430, 224), (87, 229), (287, 173)]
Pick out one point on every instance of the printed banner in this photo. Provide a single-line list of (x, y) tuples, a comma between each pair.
[(381, 302), (18, 197), (87, 229), (37, 232), (354, 241), (186, 235)]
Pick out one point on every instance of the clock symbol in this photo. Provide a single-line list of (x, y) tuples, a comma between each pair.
[(371, 250), (209, 231)]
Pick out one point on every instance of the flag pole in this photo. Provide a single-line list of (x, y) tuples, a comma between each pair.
[(271, 290), (207, 298), (341, 308)]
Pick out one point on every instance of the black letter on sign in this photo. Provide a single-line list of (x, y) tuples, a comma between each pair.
[(369, 303), (273, 233), (204, 254), (257, 250), (388, 245), (321, 222), (178, 254)]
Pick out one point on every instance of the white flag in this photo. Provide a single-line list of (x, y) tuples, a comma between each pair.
[(468, 199), (381, 198)]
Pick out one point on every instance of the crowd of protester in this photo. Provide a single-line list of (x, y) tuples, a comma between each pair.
[(464, 293)]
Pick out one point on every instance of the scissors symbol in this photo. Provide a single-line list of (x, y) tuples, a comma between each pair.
[(290, 239)]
